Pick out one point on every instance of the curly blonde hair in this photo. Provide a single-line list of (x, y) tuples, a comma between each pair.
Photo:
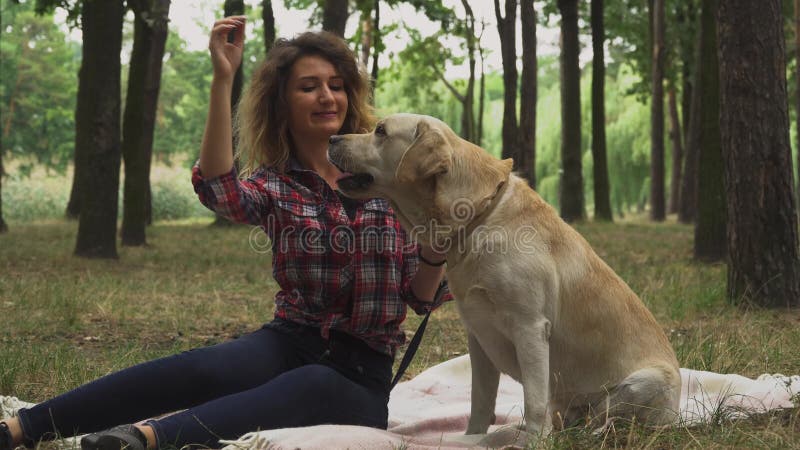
[(261, 120)]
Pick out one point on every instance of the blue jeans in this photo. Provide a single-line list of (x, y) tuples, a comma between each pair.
[(283, 375)]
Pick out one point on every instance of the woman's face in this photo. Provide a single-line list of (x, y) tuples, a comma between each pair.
[(317, 99)]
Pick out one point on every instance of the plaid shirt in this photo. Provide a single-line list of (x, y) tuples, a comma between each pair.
[(334, 273)]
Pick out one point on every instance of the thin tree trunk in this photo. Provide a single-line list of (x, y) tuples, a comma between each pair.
[(100, 84), (571, 189), (602, 196), (144, 82), (481, 95), (686, 14), (528, 93), (468, 112), (269, 24), (3, 225), (687, 206), (376, 43), (657, 210), (366, 38), (709, 230), (506, 28), (233, 8), (677, 151), (764, 262), (334, 16)]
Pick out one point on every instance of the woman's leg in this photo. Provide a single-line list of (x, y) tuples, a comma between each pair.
[(310, 395), (163, 385)]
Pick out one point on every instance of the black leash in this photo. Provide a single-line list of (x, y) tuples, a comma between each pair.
[(414, 344)]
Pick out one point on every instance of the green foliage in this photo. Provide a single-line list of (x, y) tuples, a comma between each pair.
[(182, 105), (627, 125), (38, 86), (42, 196)]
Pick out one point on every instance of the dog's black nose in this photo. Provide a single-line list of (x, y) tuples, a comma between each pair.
[(334, 139)]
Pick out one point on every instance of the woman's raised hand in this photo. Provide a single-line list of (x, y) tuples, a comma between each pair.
[(227, 56)]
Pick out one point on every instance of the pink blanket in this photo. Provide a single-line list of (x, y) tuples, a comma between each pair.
[(431, 411)]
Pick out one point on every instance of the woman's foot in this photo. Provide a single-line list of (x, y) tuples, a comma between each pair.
[(127, 437)]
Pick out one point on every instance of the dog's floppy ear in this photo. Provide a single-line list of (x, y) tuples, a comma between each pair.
[(430, 154)]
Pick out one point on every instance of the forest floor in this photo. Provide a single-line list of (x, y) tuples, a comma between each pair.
[(65, 320)]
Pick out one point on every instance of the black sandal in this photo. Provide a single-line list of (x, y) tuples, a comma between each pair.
[(6, 442), (122, 437)]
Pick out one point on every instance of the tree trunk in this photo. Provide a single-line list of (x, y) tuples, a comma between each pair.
[(687, 201), (366, 37), (376, 43), (3, 225), (100, 84), (571, 189), (233, 8), (144, 82), (481, 95), (677, 151), (709, 230), (334, 16), (602, 196), (686, 14), (269, 24), (82, 142), (657, 210), (506, 29), (468, 112), (764, 266), (528, 93), (797, 89)]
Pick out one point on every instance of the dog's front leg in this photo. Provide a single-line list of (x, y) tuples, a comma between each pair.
[(485, 379), (532, 343)]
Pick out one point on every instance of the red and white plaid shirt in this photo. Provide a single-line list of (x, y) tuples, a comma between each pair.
[(334, 273)]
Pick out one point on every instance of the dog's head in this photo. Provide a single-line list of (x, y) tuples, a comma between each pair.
[(420, 165)]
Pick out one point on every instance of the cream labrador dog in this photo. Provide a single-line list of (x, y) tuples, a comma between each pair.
[(537, 302)]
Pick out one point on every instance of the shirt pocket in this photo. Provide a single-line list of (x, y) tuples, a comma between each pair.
[(302, 229), (380, 229)]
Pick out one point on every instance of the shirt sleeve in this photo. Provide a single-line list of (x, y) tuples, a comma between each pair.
[(410, 266), (244, 201)]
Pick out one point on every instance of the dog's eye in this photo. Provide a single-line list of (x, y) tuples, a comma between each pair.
[(380, 130)]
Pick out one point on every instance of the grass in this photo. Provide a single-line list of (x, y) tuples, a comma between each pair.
[(65, 320)]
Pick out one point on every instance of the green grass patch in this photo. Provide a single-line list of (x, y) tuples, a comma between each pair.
[(67, 320)]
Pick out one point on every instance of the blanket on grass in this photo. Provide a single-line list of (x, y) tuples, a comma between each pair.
[(431, 411)]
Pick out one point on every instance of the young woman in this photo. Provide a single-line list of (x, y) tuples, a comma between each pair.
[(346, 271)]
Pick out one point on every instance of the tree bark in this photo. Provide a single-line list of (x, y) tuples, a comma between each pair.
[(687, 202), (100, 87), (144, 82), (571, 189), (233, 8), (481, 95), (709, 230), (657, 210), (366, 37), (376, 44), (677, 151), (268, 17), (764, 266), (686, 14), (334, 16), (797, 90), (528, 94), (3, 225), (602, 196), (506, 29)]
